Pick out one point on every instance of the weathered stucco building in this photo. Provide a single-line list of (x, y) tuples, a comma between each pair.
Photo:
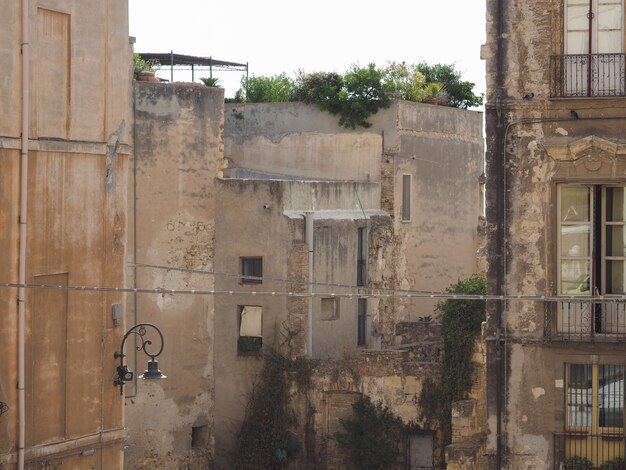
[(382, 220), (556, 150), (64, 160), (272, 219), (299, 227)]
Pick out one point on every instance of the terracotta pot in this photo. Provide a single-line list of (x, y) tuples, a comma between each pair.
[(147, 77)]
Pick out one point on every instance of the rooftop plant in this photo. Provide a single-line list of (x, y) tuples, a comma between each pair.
[(210, 81), (141, 65), (362, 91)]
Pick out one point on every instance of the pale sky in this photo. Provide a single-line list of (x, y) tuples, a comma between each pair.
[(276, 36)]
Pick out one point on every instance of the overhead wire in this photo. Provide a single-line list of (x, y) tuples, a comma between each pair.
[(395, 294)]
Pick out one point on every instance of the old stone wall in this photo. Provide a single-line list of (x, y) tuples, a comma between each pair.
[(392, 377)]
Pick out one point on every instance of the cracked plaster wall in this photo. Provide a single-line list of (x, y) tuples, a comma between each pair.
[(441, 147), (177, 149)]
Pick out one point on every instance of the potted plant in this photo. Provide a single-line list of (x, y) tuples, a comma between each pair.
[(210, 81), (144, 69), (249, 345)]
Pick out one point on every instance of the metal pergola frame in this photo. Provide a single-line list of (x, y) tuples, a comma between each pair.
[(183, 62)]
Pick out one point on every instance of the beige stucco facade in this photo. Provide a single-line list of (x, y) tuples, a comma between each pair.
[(76, 186), (541, 140), (273, 179), (177, 149), (215, 185), (160, 186)]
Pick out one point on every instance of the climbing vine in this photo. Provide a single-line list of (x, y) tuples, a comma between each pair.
[(372, 436), (460, 323), (266, 439)]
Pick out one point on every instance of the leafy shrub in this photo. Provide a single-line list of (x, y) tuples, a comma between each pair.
[(577, 463), (354, 96), (616, 464), (372, 437), (362, 91), (460, 93), (406, 82), (275, 89)]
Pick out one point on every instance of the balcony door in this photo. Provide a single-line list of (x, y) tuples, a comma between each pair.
[(594, 46), (592, 258)]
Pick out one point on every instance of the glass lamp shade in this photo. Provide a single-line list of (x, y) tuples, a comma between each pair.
[(153, 371)]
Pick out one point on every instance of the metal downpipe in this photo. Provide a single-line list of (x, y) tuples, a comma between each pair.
[(21, 296), (308, 225)]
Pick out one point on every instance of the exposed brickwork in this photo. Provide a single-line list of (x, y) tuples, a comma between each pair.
[(388, 182), (298, 306), (383, 275)]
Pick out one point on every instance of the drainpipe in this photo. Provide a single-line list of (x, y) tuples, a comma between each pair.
[(308, 229), (21, 295)]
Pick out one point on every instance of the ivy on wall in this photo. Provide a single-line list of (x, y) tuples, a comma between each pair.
[(372, 436), (460, 324), (265, 440)]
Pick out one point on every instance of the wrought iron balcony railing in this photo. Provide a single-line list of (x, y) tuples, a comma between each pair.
[(582, 450), (586, 319), (587, 75)]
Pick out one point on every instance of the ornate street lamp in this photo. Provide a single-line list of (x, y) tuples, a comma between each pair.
[(123, 373)]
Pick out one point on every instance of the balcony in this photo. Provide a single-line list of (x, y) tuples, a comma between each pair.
[(586, 451), (587, 75), (586, 319)]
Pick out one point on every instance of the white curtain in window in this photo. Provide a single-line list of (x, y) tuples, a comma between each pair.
[(251, 322)]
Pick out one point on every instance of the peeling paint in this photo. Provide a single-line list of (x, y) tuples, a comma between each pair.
[(538, 392), (113, 145)]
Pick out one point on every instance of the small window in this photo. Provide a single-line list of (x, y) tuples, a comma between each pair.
[(251, 270), (361, 323), (330, 309), (361, 258), (199, 436), (250, 338), (406, 198)]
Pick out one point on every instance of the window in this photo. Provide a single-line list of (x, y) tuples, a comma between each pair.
[(594, 45), (361, 323), (330, 308), (594, 421), (250, 330), (406, 198), (199, 436), (251, 270), (591, 256), (361, 257)]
